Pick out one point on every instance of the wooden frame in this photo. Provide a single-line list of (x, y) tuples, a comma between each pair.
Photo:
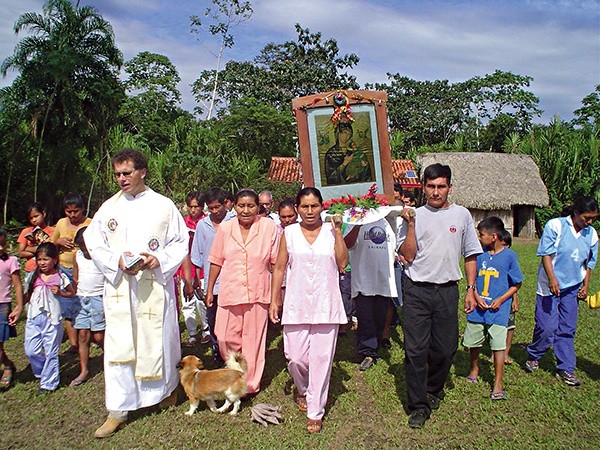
[(318, 139)]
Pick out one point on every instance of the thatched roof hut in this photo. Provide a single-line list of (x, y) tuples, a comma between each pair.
[(505, 185)]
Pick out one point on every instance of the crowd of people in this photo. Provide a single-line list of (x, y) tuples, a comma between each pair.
[(118, 280)]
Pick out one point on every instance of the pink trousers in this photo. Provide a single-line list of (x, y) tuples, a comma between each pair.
[(243, 329), (309, 350)]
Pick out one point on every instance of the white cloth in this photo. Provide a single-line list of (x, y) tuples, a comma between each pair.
[(90, 282), (372, 260), (123, 391)]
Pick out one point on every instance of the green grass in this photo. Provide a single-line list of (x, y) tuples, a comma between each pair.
[(365, 410)]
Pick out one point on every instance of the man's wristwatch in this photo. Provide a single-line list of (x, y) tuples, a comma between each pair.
[(471, 287)]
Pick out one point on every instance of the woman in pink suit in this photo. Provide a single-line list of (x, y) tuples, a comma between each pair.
[(313, 308), (243, 253)]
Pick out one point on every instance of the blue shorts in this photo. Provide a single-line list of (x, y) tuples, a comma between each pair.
[(6, 331), (89, 314), (67, 307)]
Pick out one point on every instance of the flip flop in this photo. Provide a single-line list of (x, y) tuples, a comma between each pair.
[(472, 380), (7, 380), (77, 382), (314, 425), (498, 395)]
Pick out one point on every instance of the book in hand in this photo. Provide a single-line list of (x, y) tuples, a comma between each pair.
[(37, 236), (132, 262)]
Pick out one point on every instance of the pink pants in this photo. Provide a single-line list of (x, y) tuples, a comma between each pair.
[(309, 350), (243, 329)]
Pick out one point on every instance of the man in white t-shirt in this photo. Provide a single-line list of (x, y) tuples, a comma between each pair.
[(372, 253), (432, 244)]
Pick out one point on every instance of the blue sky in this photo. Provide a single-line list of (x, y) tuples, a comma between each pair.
[(555, 42)]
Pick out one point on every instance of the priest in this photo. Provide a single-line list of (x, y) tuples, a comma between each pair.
[(138, 239)]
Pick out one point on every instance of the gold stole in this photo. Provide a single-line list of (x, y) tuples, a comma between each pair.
[(136, 339)]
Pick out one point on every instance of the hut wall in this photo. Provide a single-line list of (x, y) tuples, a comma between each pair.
[(505, 214), (524, 220)]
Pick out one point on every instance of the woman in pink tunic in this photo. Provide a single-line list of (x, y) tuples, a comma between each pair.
[(313, 308), (243, 253)]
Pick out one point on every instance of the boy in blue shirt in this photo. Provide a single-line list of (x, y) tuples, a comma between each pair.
[(499, 277)]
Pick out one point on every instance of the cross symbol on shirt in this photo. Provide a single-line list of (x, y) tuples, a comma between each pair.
[(151, 277), (149, 313)]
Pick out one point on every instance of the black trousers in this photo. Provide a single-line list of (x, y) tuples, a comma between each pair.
[(370, 312), (211, 315), (430, 325)]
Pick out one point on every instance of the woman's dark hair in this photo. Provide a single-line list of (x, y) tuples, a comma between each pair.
[(581, 204), (195, 195), (308, 191), (73, 199), (45, 248), (245, 193), (289, 202)]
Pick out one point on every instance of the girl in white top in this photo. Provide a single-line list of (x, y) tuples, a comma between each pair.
[(43, 328)]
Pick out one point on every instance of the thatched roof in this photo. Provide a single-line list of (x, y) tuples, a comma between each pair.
[(491, 180)]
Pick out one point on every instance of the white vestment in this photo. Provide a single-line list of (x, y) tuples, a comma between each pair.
[(169, 245)]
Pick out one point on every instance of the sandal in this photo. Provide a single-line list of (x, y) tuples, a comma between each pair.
[(472, 379), (300, 401), (7, 380), (314, 425), (77, 382), (498, 395)]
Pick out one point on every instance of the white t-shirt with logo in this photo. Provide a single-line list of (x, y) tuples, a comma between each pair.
[(372, 260)]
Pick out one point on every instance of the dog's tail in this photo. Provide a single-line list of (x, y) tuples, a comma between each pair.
[(236, 361)]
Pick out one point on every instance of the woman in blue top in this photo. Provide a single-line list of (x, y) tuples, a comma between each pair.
[(569, 250)]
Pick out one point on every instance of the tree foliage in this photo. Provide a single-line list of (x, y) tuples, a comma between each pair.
[(152, 107), (68, 87), (589, 113), (284, 71), (430, 113), (567, 159)]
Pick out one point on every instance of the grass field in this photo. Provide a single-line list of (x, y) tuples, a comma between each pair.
[(365, 410)]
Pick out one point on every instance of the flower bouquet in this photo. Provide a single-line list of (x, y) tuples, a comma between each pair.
[(361, 210)]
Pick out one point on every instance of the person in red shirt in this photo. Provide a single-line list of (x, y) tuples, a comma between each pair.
[(188, 286)]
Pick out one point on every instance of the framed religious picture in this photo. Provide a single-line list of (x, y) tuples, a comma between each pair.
[(344, 142)]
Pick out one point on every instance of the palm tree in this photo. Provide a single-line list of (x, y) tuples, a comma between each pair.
[(68, 70)]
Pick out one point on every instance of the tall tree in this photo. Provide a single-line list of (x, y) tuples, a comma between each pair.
[(152, 108), (220, 19), (284, 71), (68, 82)]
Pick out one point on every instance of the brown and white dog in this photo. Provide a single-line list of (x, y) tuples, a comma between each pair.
[(207, 385)]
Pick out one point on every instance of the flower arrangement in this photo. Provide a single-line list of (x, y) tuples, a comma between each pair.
[(356, 208)]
